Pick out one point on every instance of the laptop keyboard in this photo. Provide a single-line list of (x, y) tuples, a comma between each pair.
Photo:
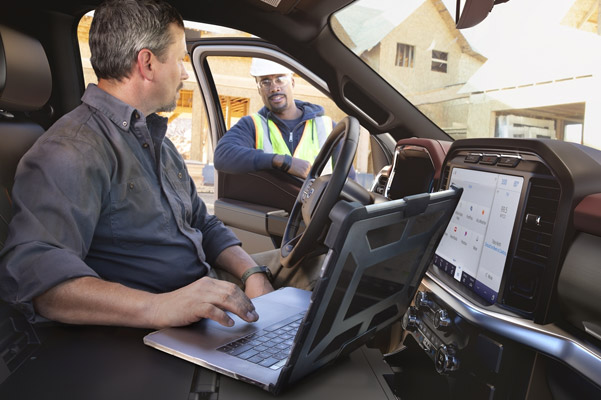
[(269, 347)]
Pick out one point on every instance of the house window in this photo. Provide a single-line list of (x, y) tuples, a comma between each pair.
[(404, 55), (439, 61)]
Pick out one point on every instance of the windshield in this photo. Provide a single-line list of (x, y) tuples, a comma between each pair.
[(529, 70)]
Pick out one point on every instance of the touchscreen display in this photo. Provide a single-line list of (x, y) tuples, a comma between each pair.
[(474, 246)]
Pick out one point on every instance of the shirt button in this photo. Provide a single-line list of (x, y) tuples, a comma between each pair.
[(131, 185), (124, 123), (136, 115), (145, 145), (180, 175)]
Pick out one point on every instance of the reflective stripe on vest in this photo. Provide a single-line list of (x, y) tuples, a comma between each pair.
[(268, 137)]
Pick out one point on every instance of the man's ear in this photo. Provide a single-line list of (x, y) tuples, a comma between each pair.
[(144, 64)]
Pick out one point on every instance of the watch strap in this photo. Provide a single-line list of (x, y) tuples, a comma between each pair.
[(286, 163), (259, 269)]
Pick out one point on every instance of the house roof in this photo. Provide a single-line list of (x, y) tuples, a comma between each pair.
[(368, 24)]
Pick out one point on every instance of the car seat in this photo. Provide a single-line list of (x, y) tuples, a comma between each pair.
[(25, 86)]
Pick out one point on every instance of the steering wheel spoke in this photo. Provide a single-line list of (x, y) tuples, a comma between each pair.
[(319, 194)]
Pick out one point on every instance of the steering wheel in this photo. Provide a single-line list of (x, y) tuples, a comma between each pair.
[(319, 194)]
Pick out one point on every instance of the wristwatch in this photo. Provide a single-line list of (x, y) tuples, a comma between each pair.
[(262, 269)]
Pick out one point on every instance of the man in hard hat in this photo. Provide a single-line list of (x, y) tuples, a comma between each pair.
[(285, 134)]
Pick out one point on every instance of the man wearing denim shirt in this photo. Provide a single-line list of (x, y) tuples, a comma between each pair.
[(108, 227)]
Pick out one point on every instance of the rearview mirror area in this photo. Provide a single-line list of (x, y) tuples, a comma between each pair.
[(469, 13)]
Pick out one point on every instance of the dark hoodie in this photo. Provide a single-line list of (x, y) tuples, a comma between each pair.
[(236, 152)]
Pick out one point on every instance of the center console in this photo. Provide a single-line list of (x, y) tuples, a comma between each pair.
[(487, 313)]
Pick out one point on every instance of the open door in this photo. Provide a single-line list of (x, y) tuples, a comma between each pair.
[(255, 205)]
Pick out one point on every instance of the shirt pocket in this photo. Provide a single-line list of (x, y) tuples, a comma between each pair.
[(137, 217), (181, 184)]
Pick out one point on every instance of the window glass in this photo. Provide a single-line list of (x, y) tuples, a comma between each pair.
[(404, 56), (239, 96), (528, 70), (439, 61), (189, 126)]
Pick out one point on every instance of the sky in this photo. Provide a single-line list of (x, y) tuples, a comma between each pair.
[(504, 24), (508, 22)]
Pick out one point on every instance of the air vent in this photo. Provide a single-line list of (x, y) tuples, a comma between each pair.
[(537, 229), (534, 244)]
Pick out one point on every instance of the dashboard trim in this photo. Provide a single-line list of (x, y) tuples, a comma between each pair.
[(548, 339), (587, 215)]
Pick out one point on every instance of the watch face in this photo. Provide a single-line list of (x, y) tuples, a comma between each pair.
[(268, 273)]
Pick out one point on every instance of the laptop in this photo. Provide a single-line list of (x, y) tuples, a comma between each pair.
[(377, 256)]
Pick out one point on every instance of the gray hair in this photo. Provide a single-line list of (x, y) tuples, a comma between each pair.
[(121, 28)]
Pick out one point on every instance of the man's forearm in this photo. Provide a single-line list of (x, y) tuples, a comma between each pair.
[(235, 261), (90, 300)]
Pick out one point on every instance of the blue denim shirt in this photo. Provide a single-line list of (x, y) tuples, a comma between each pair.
[(103, 193)]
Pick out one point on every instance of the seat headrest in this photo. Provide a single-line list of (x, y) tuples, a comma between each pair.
[(25, 77)]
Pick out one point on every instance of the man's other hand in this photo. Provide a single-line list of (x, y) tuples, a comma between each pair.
[(299, 168)]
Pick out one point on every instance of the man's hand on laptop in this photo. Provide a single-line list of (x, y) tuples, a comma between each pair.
[(204, 298)]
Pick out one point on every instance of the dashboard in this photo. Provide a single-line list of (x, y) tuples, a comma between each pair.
[(509, 289)]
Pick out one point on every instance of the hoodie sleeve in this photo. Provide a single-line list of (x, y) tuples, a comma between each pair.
[(236, 153)]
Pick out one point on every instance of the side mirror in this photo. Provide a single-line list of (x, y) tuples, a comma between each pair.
[(469, 13)]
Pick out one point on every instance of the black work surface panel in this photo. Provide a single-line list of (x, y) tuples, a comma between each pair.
[(81, 362)]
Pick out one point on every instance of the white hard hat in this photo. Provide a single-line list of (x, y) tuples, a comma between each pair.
[(263, 67)]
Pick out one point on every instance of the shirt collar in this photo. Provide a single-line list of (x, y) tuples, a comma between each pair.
[(120, 113)]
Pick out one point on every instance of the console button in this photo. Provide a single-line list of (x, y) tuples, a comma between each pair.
[(509, 161), (473, 158), (410, 319), (490, 159), (422, 300), (445, 360), (442, 319)]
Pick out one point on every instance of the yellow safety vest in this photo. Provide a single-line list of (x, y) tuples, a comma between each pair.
[(269, 138)]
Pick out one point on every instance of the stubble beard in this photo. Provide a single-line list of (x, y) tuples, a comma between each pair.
[(278, 109), (173, 104)]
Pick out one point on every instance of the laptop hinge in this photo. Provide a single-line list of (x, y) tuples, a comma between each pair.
[(205, 385)]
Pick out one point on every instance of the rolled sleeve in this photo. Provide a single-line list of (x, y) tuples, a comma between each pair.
[(31, 269), (216, 238)]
